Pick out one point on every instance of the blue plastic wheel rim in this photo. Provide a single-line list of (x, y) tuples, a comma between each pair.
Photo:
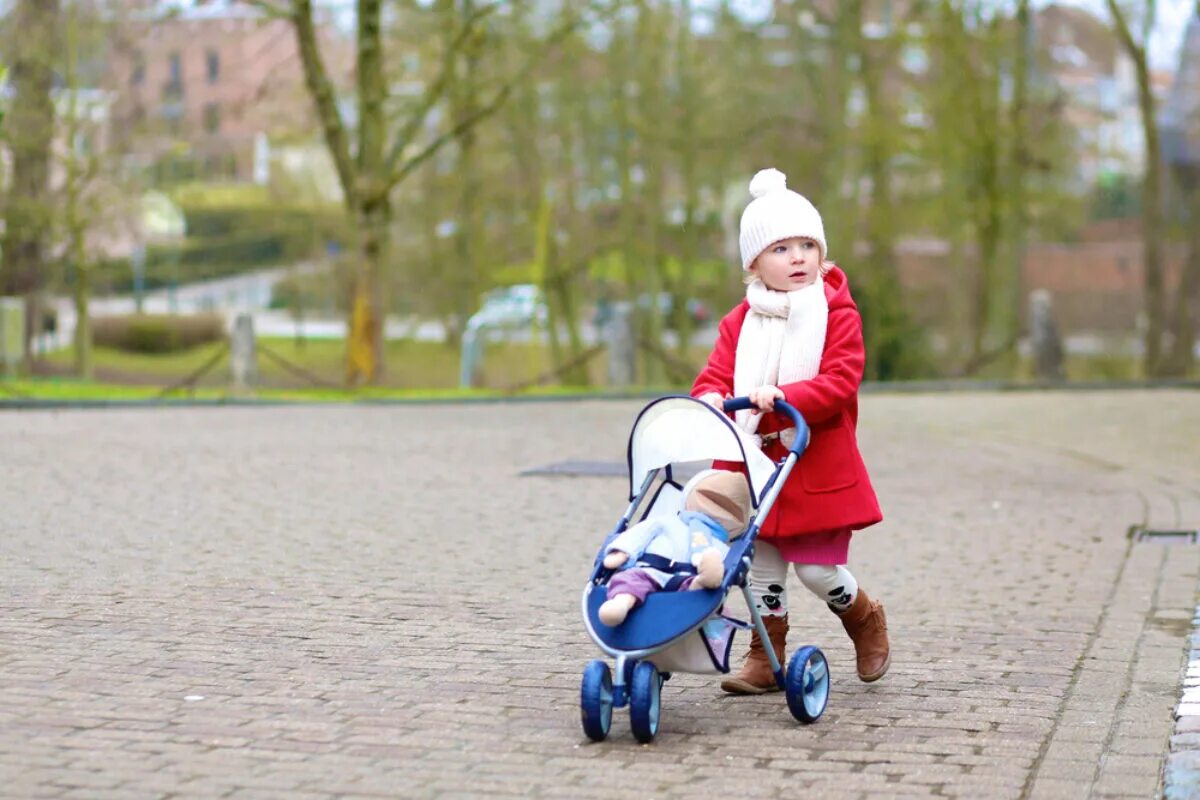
[(807, 684), (816, 684)]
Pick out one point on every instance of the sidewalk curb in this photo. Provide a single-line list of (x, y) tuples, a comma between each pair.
[(1181, 769), (870, 387)]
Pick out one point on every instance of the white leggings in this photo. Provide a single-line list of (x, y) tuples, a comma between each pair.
[(768, 582)]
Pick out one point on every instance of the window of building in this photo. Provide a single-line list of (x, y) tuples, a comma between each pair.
[(175, 69), (138, 73), (212, 117), (213, 59), (915, 59)]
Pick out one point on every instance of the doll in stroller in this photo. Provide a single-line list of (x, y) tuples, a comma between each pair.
[(673, 619)]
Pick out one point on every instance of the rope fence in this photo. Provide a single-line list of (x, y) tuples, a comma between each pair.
[(189, 382), (296, 370)]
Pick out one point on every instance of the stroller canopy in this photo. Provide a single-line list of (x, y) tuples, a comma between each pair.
[(680, 430)]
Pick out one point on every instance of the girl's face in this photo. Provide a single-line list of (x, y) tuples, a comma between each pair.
[(789, 264)]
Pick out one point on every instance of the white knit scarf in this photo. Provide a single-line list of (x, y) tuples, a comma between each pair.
[(781, 340)]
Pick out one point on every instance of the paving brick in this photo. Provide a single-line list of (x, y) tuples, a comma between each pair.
[(1060, 789)]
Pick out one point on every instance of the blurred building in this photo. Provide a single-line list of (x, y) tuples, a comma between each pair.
[(203, 87), (1098, 89), (1181, 112)]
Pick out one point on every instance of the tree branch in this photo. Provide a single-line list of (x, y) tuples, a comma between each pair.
[(321, 89), (371, 91), (395, 176), (1123, 31), (435, 92), (273, 10)]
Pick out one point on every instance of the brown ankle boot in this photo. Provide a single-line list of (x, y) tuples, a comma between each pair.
[(755, 676), (867, 626)]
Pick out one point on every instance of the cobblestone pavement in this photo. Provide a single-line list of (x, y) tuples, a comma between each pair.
[(371, 601)]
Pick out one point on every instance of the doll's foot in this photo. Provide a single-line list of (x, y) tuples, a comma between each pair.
[(710, 571), (613, 612)]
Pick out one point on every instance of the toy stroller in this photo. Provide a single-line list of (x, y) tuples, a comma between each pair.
[(687, 631)]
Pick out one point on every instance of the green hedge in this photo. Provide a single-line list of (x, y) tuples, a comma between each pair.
[(230, 240), (157, 333)]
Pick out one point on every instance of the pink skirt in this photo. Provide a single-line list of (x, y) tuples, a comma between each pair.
[(825, 547)]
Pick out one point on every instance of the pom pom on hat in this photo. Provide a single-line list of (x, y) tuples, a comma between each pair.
[(767, 180), (776, 213)]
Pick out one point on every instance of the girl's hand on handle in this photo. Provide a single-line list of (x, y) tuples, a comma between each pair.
[(764, 398), (714, 399)]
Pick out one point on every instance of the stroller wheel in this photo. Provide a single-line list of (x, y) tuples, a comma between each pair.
[(644, 706), (596, 700), (807, 684)]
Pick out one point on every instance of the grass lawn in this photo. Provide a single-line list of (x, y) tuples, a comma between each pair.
[(310, 370)]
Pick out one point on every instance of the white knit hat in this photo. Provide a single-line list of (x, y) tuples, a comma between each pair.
[(776, 213)]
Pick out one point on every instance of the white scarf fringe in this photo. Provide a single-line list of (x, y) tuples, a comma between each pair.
[(781, 341)]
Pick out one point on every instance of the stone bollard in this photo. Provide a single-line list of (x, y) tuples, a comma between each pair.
[(469, 358), (1043, 335), (243, 355), (12, 335), (622, 354)]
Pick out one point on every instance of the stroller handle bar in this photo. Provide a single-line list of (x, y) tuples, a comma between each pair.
[(781, 407)]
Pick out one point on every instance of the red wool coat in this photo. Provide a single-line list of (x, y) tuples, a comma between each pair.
[(829, 487)]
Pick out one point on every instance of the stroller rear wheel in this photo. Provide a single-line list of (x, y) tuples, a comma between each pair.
[(807, 684), (644, 701), (596, 700)]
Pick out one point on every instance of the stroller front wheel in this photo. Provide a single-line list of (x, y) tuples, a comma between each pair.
[(808, 684), (596, 700), (645, 704)]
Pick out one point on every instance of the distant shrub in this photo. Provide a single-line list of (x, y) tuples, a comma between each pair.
[(157, 333)]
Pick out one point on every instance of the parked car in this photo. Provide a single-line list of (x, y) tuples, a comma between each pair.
[(510, 306), (662, 303)]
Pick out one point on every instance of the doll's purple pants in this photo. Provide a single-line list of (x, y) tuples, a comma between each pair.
[(638, 583)]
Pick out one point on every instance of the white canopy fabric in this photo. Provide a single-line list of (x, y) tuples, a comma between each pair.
[(680, 430)]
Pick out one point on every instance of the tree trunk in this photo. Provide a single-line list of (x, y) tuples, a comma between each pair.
[(1152, 225), (651, 161), (1152, 216), (30, 131), (364, 344), (883, 331), (566, 272), (465, 104), (628, 211), (1018, 167), (691, 189), (76, 226), (1182, 356)]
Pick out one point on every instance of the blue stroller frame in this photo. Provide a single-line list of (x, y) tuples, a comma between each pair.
[(686, 631)]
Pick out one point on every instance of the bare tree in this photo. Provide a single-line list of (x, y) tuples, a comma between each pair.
[(382, 151)]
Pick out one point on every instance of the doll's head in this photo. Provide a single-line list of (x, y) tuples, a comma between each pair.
[(722, 495)]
